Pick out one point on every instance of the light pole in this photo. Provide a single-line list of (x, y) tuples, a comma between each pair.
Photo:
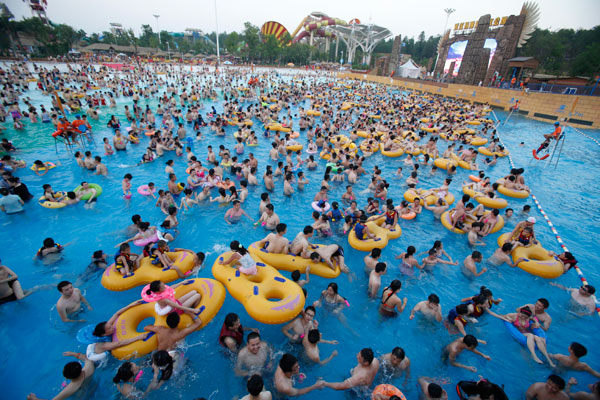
[(448, 11), (157, 28), (217, 31)]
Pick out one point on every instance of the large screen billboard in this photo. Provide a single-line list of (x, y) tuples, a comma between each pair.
[(457, 51)]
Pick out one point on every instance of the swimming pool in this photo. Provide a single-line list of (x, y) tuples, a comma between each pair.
[(34, 337)]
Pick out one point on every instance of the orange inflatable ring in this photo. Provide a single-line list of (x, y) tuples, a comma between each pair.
[(474, 178), (387, 390), (149, 133), (295, 135), (225, 186), (410, 215)]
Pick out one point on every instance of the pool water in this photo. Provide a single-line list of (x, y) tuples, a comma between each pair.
[(34, 337)]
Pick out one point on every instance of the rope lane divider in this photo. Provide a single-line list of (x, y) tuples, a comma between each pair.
[(546, 218)]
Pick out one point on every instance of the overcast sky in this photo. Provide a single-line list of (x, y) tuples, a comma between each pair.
[(396, 15)]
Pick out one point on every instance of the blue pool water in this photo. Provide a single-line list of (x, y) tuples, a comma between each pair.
[(34, 338)]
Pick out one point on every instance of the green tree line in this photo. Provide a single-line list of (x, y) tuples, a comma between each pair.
[(564, 51)]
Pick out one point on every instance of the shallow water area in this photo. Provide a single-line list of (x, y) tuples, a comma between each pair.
[(34, 336)]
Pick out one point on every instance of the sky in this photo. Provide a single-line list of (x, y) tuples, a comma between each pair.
[(405, 17)]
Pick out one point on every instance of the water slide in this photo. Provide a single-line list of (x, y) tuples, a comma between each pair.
[(316, 28)]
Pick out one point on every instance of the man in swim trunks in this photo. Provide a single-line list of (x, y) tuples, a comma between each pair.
[(552, 389), (70, 301), (397, 363), (173, 186), (300, 245), (311, 347), (269, 219), (471, 261), (169, 335), (10, 287), (287, 368), (73, 372), (256, 389), (502, 255), (431, 390), (301, 325), (235, 213), (430, 308), (539, 312), (275, 242), (583, 296), (328, 254), (571, 361), (253, 358), (362, 374), (468, 342)]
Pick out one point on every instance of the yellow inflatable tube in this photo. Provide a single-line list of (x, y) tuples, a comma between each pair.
[(444, 163), (294, 147), (314, 113), (391, 153), (213, 295), (291, 262), (147, 272), (485, 200), (461, 163), (447, 222), (411, 194), (519, 194), (478, 141), (267, 296), (382, 236), (486, 152), (537, 261)]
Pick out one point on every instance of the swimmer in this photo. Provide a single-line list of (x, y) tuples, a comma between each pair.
[(236, 212), (128, 373), (539, 312), (501, 256), (430, 308), (311, 347), (300, 245), (70, 301), (300, 325), (390, 301), (470, 264), (240, 257), (256, 390), (438, 208), (170, 335), (331, 299), (571, 361), (362, 375), (524, 322), (583, 296), (375, 278), (330, 254), (10, 287), (409, 262), (468, 342), (371, 259), (283, 382), (269, 219), (232, 332), (276, 242), (552, 389), (254, 357), (74, 372), (431, 390), (593, 394), (432, 260)]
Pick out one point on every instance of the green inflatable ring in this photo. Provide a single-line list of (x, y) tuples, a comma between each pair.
[(93, 186), (334, 167)]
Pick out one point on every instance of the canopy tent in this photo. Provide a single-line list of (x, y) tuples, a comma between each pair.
[(409, 70)]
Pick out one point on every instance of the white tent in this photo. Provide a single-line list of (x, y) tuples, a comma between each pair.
[(409, 70)]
